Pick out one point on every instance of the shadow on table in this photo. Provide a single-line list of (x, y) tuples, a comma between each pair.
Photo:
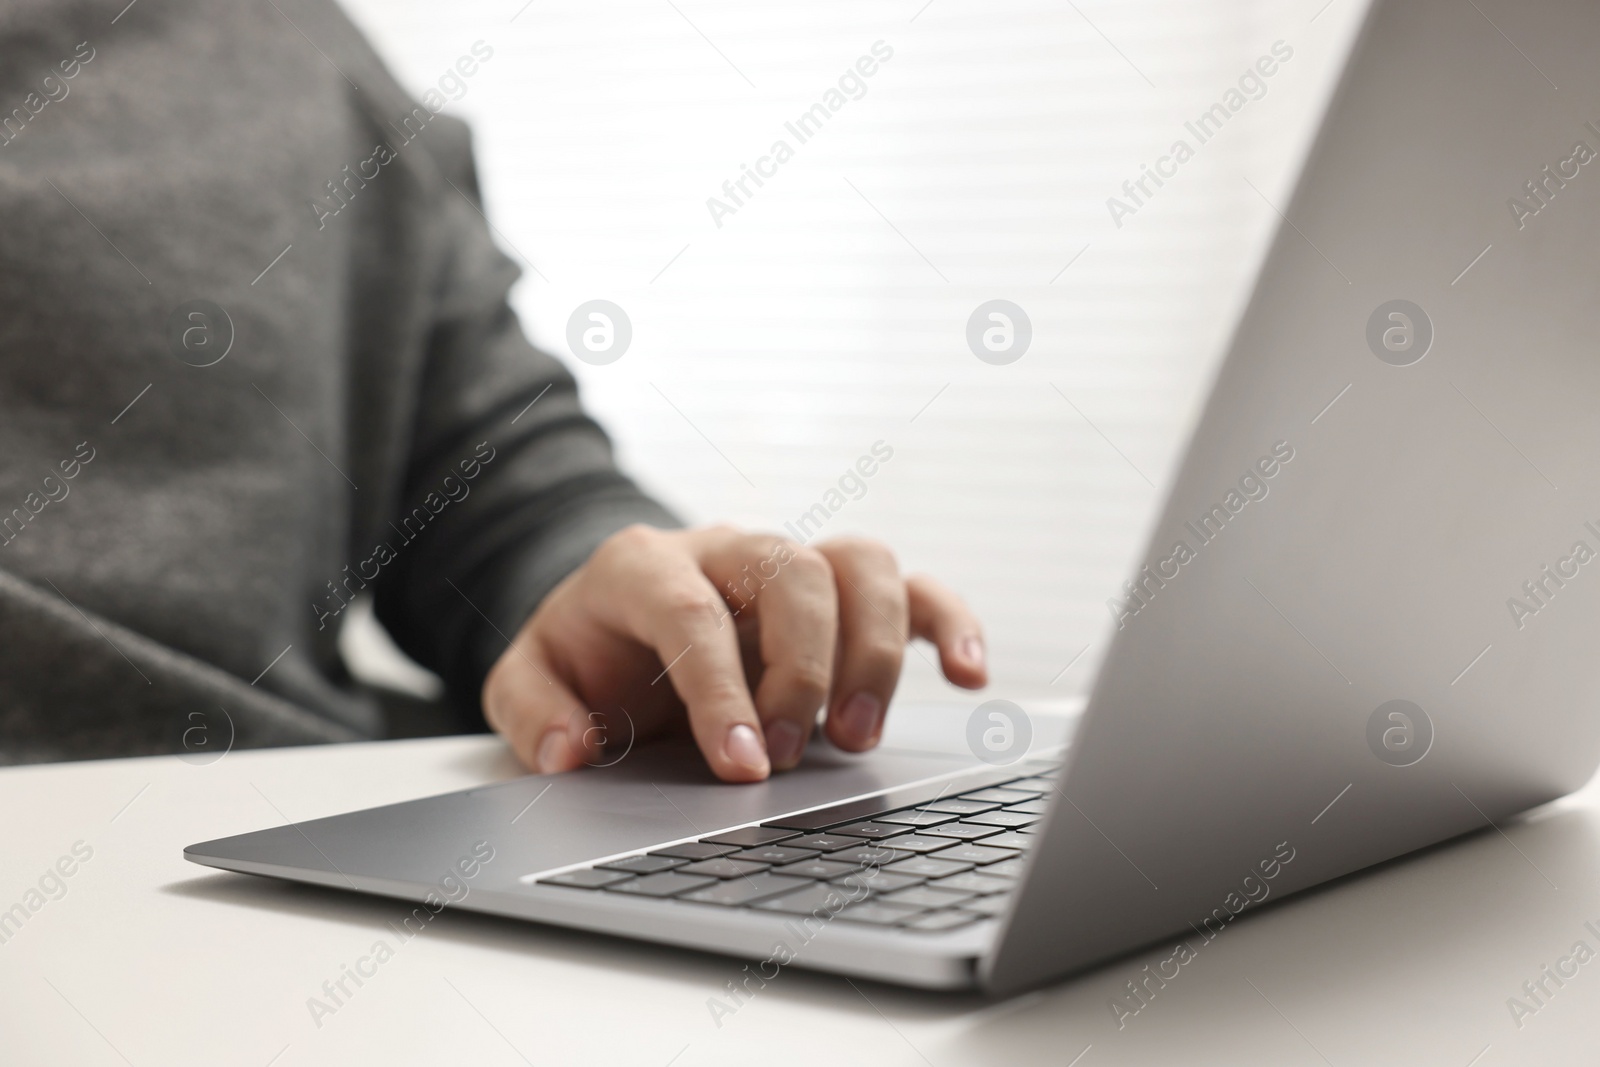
[(1411, 962)]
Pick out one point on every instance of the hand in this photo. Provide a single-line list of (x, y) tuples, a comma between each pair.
[(750, 632)]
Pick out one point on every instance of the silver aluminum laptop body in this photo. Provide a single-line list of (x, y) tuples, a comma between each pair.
[(1365, 619)]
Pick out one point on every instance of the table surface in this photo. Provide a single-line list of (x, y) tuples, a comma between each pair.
[(138, 957)]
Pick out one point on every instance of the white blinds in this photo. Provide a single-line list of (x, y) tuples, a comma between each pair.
[(829, 309)]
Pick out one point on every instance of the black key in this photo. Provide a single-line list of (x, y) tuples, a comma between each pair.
[(839, 814), (1011, 840), (665, 884), (981, 854), (916, 818), (1037, 785), (823, 842), (695, 850), (1002, 796), (725, 867), (775, 854), (739, 891), (643, 864), (995, 905), (918, 843), (872, 830), (821, 870), (927, 896), (997, 777), (870, 855), (588, 878), (961, 807), (879, 914), (1030, 807), (1004, 819), (929, 867), (817, 899), (876, 881), (975, 882), (940, 921), (1003, 869), (881, 803), (749, 836), (963, 831)]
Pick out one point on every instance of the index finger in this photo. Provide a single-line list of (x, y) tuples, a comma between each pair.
[(678, 613)]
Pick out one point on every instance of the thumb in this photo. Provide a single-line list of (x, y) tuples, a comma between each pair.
[(526, 702)]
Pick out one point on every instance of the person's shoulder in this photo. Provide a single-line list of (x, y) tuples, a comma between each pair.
[(411, 122)]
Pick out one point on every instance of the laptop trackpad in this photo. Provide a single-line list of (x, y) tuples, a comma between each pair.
[(665, 792)]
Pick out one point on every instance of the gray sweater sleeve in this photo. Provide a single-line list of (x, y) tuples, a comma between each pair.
[(516, 484)]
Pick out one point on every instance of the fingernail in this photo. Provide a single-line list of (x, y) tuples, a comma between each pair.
[(555, 752), (784, 742), (972, 650), (862, 717), (744, 747)]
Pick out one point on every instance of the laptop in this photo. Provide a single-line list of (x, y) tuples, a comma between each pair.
[(1364, 620)]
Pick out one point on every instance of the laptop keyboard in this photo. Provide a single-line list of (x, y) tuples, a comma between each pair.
[(917, 859)]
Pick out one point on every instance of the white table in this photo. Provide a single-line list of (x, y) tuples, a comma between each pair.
[(148, 960)]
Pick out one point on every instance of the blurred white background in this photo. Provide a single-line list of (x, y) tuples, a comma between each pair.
[(829, 312)]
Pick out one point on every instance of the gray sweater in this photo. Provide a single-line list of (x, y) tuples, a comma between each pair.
[(256, 358)]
